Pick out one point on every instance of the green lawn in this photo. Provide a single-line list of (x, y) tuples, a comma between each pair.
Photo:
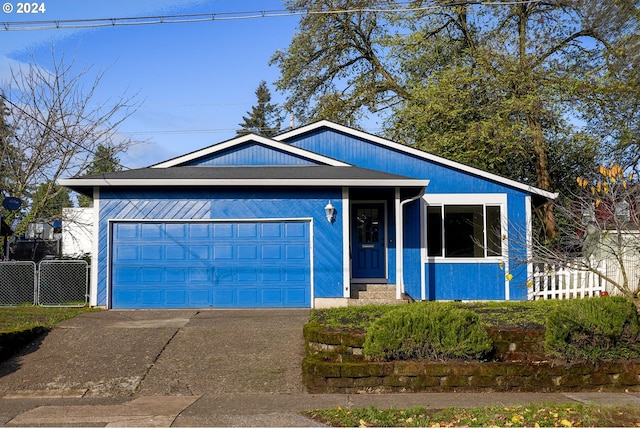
[(20, 318)]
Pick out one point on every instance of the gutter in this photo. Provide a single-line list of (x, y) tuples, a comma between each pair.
[(400, 241)]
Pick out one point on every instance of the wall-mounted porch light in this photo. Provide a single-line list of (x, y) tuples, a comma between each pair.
[(330, 211)]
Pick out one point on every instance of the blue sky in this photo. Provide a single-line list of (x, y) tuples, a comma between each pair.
[(194, 81)]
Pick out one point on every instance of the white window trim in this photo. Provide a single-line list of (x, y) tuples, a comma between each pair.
[(484, 199)]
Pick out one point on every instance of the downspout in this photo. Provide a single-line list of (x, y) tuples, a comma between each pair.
[(400, 241)]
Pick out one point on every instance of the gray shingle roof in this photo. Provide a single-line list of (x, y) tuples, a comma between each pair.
[(245, 176)]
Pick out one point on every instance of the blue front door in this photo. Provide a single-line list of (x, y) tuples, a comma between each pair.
[(367, 241)]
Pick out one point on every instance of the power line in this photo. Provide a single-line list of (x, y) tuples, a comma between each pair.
[(85, 23)]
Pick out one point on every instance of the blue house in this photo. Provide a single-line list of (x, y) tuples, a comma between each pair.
[(299, 219)]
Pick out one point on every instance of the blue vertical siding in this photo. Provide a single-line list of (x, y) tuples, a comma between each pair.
[(365, 154), (451, 281), (201, 204), (250, 154), (412, 250), (517, 247)]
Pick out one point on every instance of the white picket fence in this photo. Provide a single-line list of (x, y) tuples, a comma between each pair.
[(566, 281)]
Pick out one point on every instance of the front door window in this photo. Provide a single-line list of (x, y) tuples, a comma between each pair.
[(368, 225)]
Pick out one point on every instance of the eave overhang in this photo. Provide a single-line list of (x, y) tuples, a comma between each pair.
[(307, 176)]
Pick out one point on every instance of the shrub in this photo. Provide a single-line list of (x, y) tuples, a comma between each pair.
[(593, 329), (427, 330)]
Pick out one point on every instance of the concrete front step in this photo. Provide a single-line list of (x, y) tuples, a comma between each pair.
[(374, 294), (364, 302)]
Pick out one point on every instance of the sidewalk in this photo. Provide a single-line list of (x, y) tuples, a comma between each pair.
[(253, 409)]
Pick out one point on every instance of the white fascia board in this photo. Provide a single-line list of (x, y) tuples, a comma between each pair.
[(245, 139), (415, 152), (244, 182)]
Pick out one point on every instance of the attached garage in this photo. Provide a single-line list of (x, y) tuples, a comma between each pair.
[(203, 264)]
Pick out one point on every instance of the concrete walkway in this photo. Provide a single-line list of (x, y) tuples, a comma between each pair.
[(193, 368)]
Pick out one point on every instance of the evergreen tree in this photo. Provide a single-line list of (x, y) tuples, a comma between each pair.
[(104, 161), (48, 201), (264, 118)]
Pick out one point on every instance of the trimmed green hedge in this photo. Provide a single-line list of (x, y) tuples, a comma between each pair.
[(597, 329), (431, 330)]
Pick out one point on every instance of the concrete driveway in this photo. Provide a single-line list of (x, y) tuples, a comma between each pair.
[(163, 353)]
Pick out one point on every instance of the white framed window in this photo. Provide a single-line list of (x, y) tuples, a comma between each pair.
[(465, 226)]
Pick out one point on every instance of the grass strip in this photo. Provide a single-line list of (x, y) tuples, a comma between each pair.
[(534, 415)]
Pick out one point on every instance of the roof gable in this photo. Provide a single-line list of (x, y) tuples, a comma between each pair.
[(397, 147), (250, 149)]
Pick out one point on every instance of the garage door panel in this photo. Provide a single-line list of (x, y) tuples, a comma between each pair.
[(223, 230), (195, 297), (295, 230), (224, 298), (296, 252), (127, 231), (152, 275), (151, 297), (151, 231), (127, 252), (223, 252), (271, 230), (249, 275), (299, 295), (200, 231), (189, 265), (178, 275), (126, 275), (247, 252), (247, 230)]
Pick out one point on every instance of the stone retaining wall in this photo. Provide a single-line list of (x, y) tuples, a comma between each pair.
[(335, 364)]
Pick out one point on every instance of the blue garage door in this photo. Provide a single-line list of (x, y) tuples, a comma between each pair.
[(214, 264)]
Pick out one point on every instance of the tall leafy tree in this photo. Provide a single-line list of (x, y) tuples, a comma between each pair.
[(499, 86), (104, 160), (264, 118)]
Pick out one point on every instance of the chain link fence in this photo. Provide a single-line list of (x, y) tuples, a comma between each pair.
[(62, 283), (17, 283), (50, 283)]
